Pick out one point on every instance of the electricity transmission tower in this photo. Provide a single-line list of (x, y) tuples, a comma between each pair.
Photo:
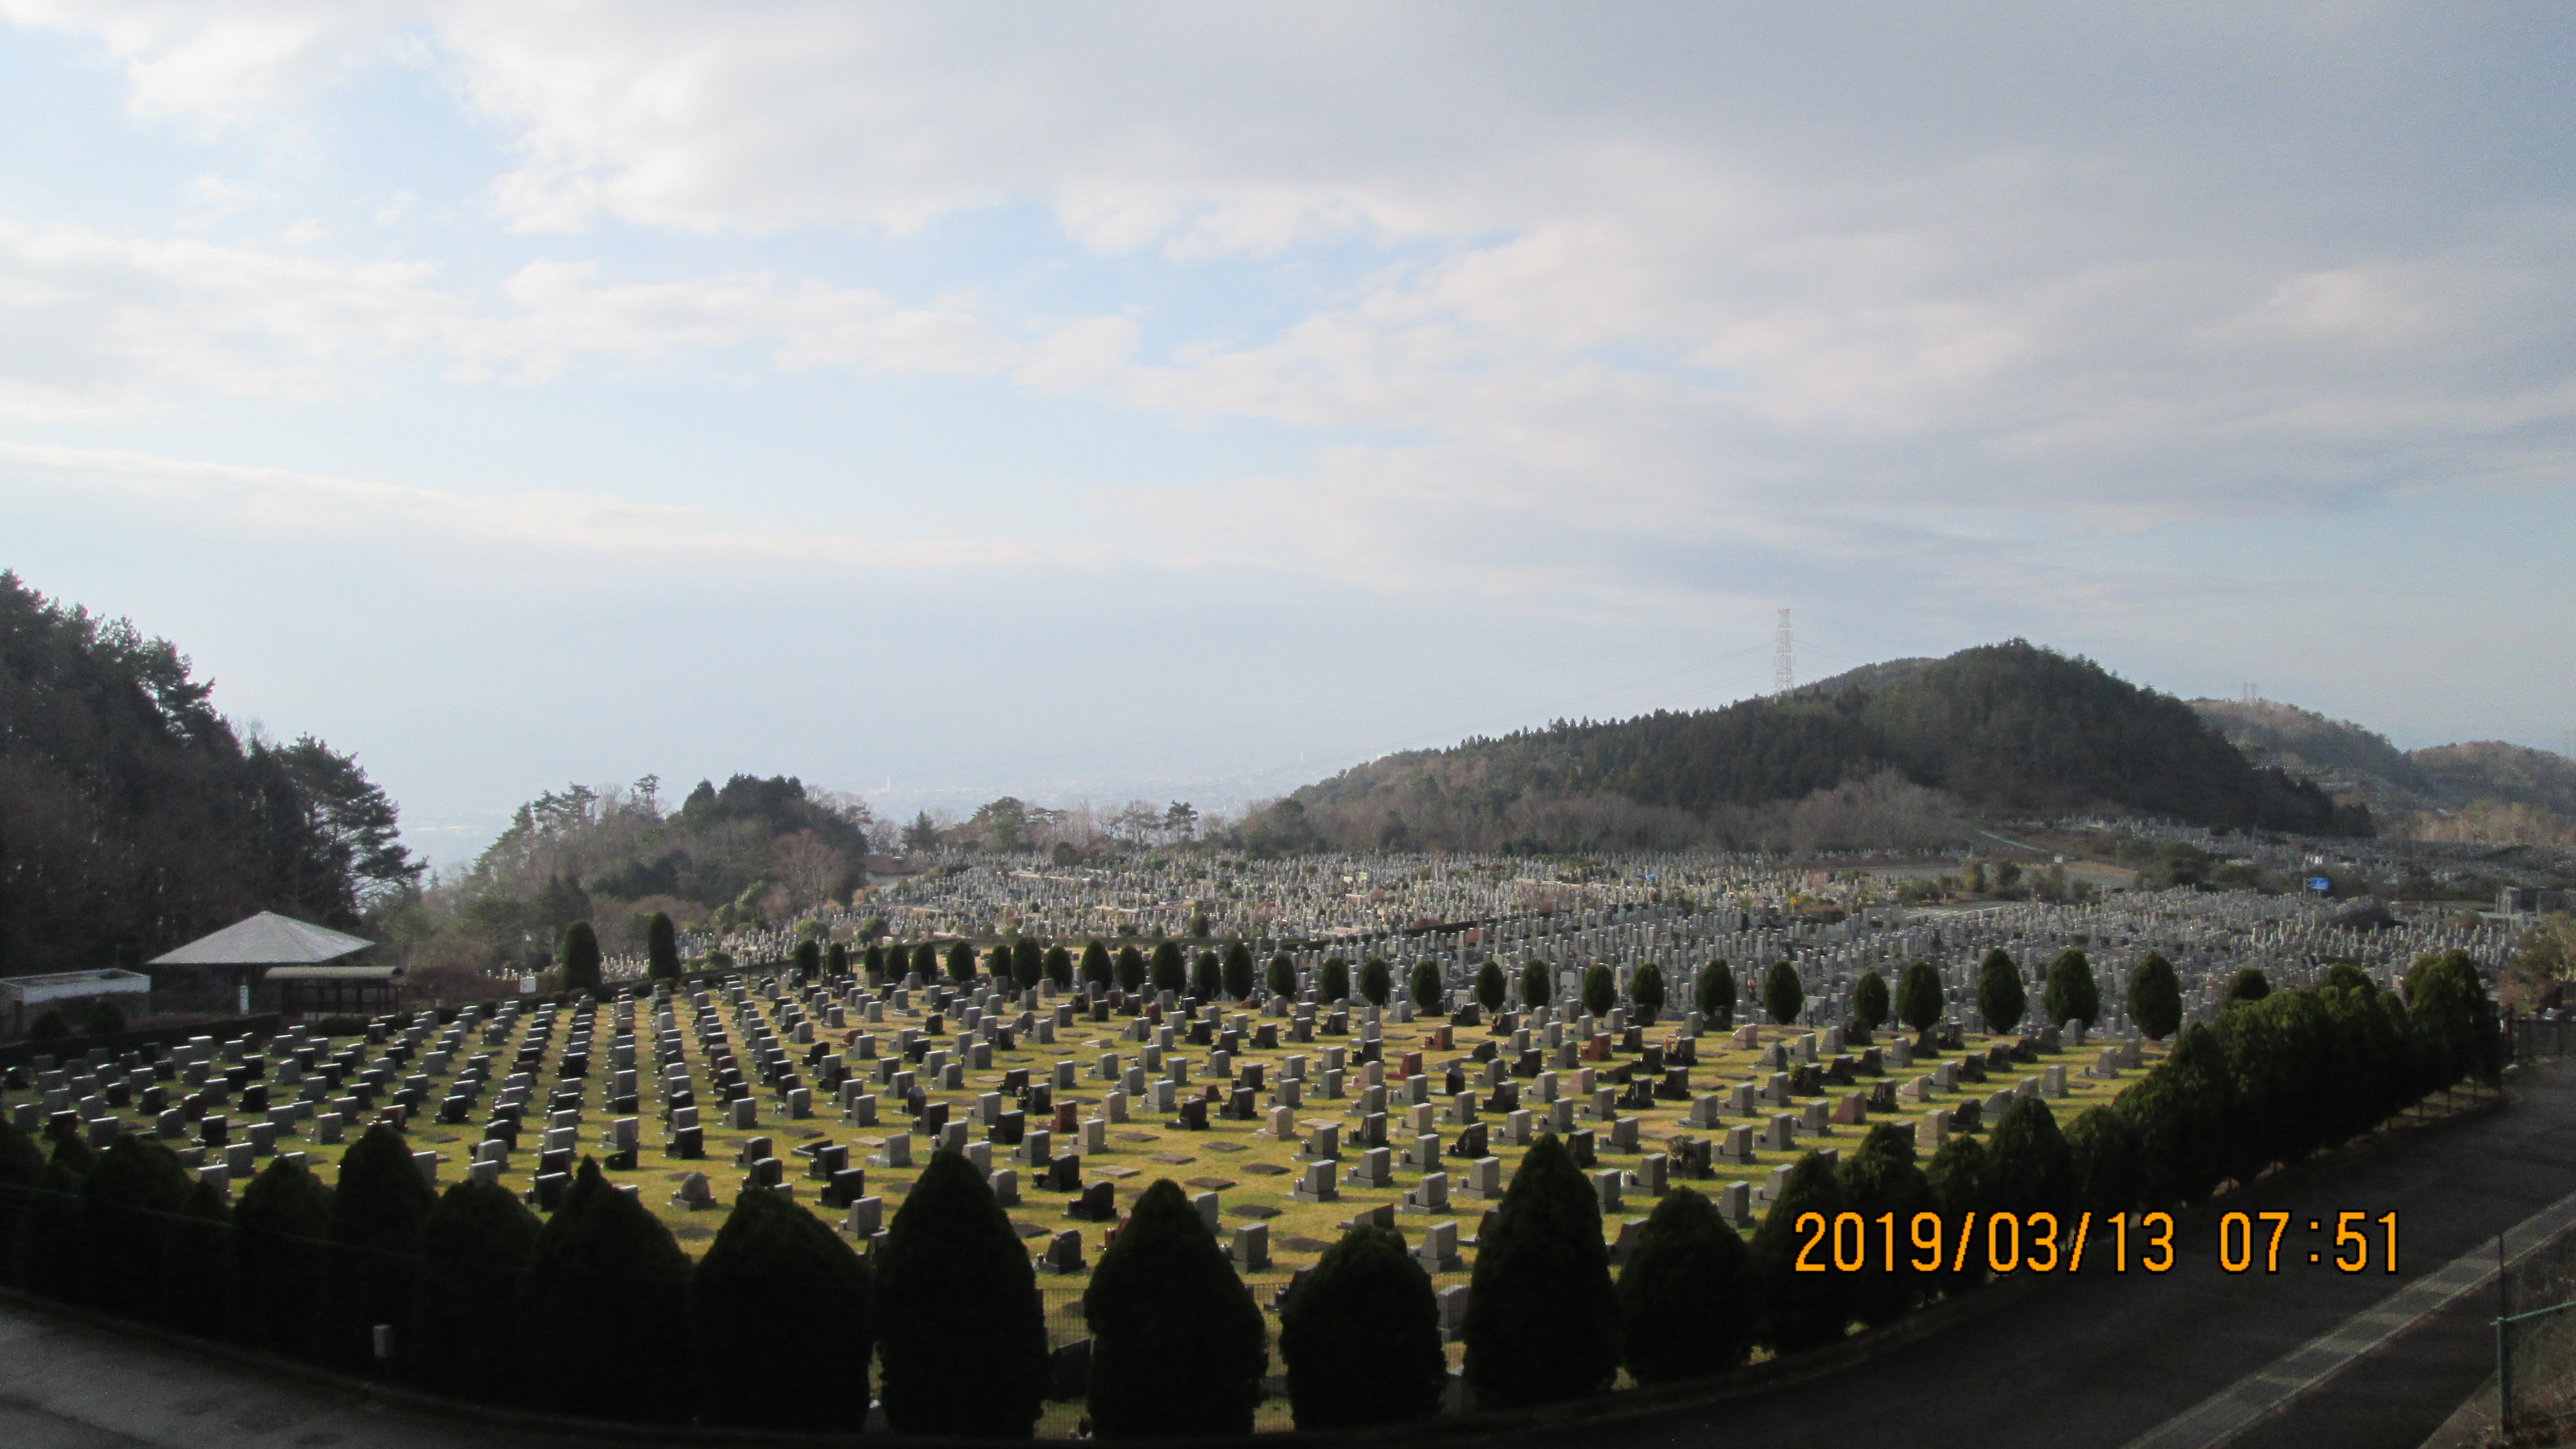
[(1784, 668)]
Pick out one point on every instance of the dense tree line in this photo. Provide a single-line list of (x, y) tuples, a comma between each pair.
[(597, 1311), (133, 817), (2009, 728)]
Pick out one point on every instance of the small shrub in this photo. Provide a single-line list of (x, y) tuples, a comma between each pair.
[(1881, 1177), (1536, 985), (1646, 989)]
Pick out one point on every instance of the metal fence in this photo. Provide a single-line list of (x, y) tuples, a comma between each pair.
[(2535, 1337)]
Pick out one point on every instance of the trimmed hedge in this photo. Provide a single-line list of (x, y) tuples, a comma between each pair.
[(376, 1214), (279, 1232), (475, 1248)]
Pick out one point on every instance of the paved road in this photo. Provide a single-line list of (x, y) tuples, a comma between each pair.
[(2105, 1358), (2095, 1361)]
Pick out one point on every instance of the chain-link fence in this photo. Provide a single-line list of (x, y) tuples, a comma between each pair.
[(2536, 1338)]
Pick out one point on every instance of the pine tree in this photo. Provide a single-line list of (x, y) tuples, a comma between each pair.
[(604, 1310), (1283, 975), (1059, 967), (1131, 969), (2155, 997), (1238, 972), (279, 1235), (1715, 996), (872, 963), (2072, 994), (579, 957), (2247, 985), (475, 1247), (1542, 1315), (1491, 989), (1207, 977), (961, 1339), (1028, 963), (1360, 1334), (2000, 996), (961, 964), (1177, 1347), (661, 948), (1783, 994), (807, 959), (779, 1314), (1095, 965), (1801, 1310), (925, 959), (1688, 1301), (1869, 1001), (997, 963), (376, 1215), (1171, 972)]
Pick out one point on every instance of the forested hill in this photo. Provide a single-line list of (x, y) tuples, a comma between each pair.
[(2006, 729), (133, 818)]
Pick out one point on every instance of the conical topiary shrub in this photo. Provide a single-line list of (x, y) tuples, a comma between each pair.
[(1361, 1336), (779, 1314), (2030, 1168), (1688, 1300), (1800, 1310), (195, 1295), (128, 1202), (475, 1250), (1880, 1177), (1543, 1318), (1177, 1346), (281, 1241), (376, 1212), (960, 1335), (604, 1310)]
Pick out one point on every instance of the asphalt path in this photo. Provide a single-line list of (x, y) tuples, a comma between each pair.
[(2101, 1358), (2097, 1359)]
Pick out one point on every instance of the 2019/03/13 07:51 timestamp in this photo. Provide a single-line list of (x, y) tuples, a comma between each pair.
[(2042, 1242)]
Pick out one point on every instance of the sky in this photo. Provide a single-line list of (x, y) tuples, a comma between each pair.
[(1191, 401)]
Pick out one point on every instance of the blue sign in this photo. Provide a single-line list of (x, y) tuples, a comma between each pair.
[(2320, 884)]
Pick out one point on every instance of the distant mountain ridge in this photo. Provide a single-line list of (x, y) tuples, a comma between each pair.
[(2485, 790), (2010, 728)]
